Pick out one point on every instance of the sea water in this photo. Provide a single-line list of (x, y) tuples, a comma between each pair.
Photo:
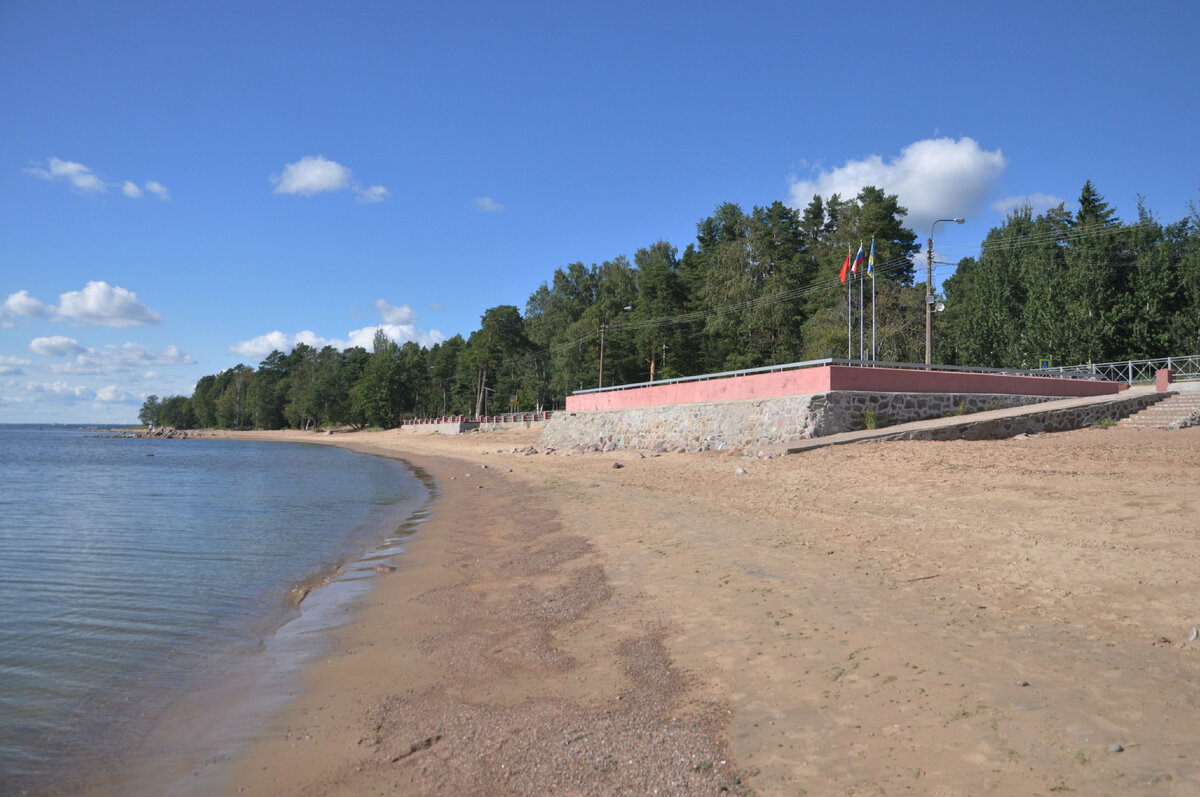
[(134, 573)]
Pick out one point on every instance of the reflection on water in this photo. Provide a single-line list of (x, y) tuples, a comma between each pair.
[(133, 572)]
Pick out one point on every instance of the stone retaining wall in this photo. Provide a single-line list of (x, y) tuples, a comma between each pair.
[(1032, 423), (726, 424), (440, 427)]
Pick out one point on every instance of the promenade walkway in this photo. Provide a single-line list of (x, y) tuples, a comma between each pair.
[(1058, 415)]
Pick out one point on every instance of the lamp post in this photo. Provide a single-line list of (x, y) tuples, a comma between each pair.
[(604, 326), (929, 290)]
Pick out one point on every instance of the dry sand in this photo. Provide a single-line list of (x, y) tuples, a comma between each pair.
[(1007, 617)]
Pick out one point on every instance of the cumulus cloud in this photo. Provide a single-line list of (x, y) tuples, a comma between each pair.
[(56, 346), (311, 175), (316, 174), (486, 204), (21, 303), (257, 348), (372, 194), (113, 395), (106, 305), (390, 314), (86, 181), (17, 392), (1039, 203), (933, 178), (260, 347), (399, 325), (159, 190), (78, 175), (10, 366), (132, 190), (399, 333), (126, 360)]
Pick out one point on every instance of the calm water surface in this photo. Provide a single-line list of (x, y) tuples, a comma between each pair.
[(134, 570)]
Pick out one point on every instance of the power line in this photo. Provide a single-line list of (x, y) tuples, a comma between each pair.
[(891, 266), (1061, 236)]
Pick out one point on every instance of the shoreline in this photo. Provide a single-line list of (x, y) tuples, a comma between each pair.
[(427, 633), (209, 713), (1000, 623)]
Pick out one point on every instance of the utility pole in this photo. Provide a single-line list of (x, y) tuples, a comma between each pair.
[(602, 327), (928, 301), (929, 290)]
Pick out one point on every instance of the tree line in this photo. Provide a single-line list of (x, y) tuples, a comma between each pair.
[(1076, 288), (755, 288)]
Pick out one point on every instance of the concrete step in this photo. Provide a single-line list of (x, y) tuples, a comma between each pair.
[(1166, 412)]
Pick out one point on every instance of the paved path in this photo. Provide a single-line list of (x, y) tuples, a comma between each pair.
[(945, 424)]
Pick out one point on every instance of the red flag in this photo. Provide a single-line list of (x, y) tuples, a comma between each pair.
[(845, 267)]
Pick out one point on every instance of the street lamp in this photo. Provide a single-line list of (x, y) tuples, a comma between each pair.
[(929, 290), (603, 326)]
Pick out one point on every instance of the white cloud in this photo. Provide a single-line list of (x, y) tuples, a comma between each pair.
[(400, 333), (315, 174), (87, 181), (78, 175), (125, 360), (159, 190), (56, 346), (487, 205), (21, 303), (10, 366), (17, 392), (1040, 203), (129, 360), (260, 347), (375, 193), (106, 305), (390, 314), (257, 348), (399, 325), (933, 178), (113, 395), (312, 175)]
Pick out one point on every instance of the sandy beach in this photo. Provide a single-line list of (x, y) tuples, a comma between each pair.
[(1006, 617)]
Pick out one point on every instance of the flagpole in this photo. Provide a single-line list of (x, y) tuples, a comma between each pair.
[(871, 268), (849, 310), (861, 309)]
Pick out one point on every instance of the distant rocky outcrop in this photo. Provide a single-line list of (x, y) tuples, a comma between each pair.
[(160, 433)]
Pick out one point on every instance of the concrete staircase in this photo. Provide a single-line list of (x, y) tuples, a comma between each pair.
[(1181, 408)]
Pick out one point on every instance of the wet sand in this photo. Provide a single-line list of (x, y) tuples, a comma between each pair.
[(1005, 617)]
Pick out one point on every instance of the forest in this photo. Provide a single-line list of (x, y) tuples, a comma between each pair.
[(754, 289)]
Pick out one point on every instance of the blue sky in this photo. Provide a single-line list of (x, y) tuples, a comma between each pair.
[(185, 186)]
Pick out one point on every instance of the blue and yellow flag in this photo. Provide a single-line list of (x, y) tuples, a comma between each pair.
[(871, 260)]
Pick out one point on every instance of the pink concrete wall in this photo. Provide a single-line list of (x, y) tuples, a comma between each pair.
[(805, 381), (895, 380), (800, 382)]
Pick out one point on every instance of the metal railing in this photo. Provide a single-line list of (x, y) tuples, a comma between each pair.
[(1186, 368), (1129, 372), (516, 417)]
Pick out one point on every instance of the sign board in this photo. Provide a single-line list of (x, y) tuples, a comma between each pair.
[(1044, 364)]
